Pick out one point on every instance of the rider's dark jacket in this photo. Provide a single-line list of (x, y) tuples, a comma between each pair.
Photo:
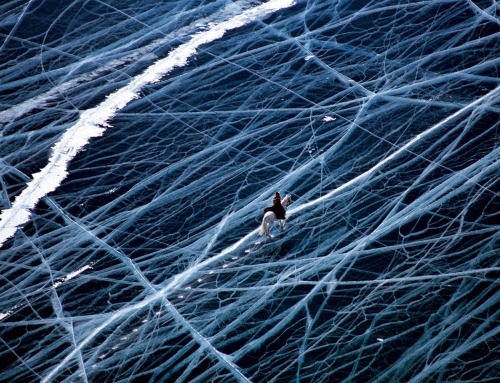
[(277, 208)]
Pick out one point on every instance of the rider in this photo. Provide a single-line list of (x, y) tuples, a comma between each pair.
[(277, 208)]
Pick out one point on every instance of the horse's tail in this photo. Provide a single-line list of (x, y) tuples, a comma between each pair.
[(262, 230)]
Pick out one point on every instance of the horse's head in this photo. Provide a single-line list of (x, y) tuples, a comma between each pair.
[(287, 201)]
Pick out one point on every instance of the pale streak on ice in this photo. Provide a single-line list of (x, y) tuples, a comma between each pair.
[(175, 283), (55, 285), (188, 273), (42, 100), (93, 122), (72, 275), (365, 175)]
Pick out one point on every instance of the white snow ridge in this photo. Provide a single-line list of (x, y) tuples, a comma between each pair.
[(162, 131), (93, 122)]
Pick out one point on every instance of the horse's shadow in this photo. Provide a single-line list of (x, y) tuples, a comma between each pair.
[(279, 245)]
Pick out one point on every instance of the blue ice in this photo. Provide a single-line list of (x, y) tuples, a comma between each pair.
[(140, 142)]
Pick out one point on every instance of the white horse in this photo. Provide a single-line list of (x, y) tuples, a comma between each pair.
[(270, 217)]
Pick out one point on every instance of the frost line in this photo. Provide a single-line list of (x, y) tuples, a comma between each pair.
[(93, 122)]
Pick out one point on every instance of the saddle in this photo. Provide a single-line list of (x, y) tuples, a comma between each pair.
[(279, 211)]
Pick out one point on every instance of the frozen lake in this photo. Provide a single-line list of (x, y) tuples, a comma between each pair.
[(140, 142)]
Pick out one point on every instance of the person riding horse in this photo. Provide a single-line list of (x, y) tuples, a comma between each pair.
[(277, 208), (275, 213)]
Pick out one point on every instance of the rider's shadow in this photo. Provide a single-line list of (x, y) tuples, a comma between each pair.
[(281, 245)]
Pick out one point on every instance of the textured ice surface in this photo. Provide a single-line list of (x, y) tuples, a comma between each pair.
[(141, 140)]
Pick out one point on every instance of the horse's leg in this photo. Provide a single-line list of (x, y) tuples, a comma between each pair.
[(268, 226), (263, 227), (270, 218)]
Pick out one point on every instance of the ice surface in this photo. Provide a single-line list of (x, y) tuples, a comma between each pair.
[(141, 140)]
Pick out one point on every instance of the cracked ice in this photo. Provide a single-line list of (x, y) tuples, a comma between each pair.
[(141, 140)]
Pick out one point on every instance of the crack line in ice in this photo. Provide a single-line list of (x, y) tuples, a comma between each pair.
[(14, 29), (182, 277), (482, 12), (93, 122), (104, 245), (188, 273), (205, 344), (384, 281), (418, 230), (159, 294), (178, 279), (41, 100), (353, 123), (71, 275), (398, 152), (454, 326)]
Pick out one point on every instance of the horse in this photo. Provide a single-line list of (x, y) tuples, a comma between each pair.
[(270, 217)]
